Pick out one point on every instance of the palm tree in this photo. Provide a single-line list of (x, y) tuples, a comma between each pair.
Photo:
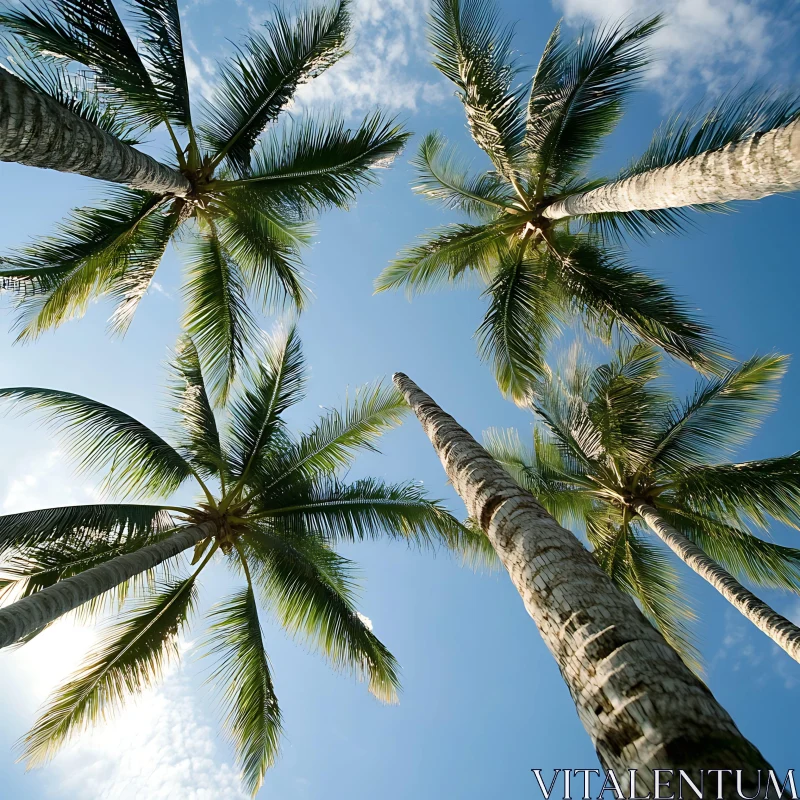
[(245, 201), (619, 456), (540, 262), (641, 705), (276, 514)]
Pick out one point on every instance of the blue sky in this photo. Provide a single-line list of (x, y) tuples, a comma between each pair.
[(483, 702)]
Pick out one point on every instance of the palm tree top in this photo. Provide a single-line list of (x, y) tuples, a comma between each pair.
[(279, 505), (612, 437), (252, 196), (540, 137)]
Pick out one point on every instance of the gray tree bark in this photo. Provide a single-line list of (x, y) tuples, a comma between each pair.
[(36, 130), (783, 632), (640, 704), (37, 610), (748, 170)]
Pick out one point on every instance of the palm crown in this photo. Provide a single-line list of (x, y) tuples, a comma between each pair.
[(612, 437), (251, 198), (278, 509), (540, 140)]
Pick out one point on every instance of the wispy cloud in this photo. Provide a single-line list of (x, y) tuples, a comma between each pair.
[(710, 43)]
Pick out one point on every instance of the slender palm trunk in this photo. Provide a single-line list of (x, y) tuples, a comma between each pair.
[(641, 706), (38, 131), (747, 170), (783, 632), (37, 610)]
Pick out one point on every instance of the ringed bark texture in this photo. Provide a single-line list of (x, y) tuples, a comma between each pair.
[(783, 632), (38, 131), (748, 170), (37, 610), (640, 704)]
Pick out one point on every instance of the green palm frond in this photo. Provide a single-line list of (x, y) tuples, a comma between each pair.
[(197, 436), (723, 413), (758, 489), (130, 657), (472, 51), (50, 77), (217, 316), (99, 437), (443, 176), (447, 255), (579, 94), (333, 442), (78, 526), (740, 552), (131, 286), (314, 163), (253, 718), (264, 242), (302, 580), (56, 277), (160, 22), (367, 509), (91, 33), (607, 291), (265, 74), (278, 382), (645, 572), (522, 317)]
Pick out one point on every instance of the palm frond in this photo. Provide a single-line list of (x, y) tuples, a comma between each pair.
[(522, 319), (99, 437), (90, 32), (130, 657), (278, 382), (217, 316), (608, 292), (447, 255), (56, 277), (333, 442), (78, 526), (579, 93), (317, 164), (160, 22), (262, 78), (72, 91), (265, 242), (197, 437), (443, 176), (474, 52), (722, 414), (368, 509), (303, 581), (757, 489), (253, 718)]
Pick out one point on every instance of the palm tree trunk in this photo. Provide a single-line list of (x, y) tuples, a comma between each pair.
[(747, 170), (37, 610), (783, 632), (640, 704), (37, 130)]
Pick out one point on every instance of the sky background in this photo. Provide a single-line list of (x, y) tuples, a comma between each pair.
[(483, 702)]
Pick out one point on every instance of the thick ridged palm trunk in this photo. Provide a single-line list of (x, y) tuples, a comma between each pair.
[(747, 170), (640, 704), (37, 610), (783, 632), (38, 131)]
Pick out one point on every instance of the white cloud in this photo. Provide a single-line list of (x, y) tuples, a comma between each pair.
[(200, 77), (365, 619), (714, 43)]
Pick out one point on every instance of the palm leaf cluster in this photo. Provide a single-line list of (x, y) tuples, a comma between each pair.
[(612, 436), (540, 138), (279, 506), (253, 198)]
